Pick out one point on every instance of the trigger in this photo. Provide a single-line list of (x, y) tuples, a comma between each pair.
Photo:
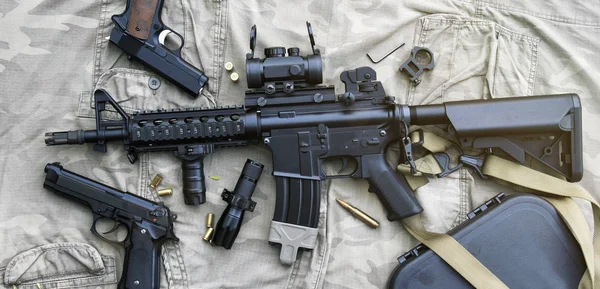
[(114, 228), (163, 36), (344, 164)]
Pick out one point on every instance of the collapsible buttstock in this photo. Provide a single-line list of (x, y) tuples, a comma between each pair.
[(545, 127)]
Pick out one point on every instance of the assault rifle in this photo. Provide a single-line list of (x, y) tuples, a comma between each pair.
[(304, 123)]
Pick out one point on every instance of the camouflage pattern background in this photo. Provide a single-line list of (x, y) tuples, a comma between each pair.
[(53, 54)]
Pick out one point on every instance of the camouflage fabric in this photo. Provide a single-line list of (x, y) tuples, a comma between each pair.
[(53, 54)]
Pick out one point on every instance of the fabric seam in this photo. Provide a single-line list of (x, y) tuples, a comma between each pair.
[(478, 9), (294, 272), (323, 218), (532, 43), (99, 41), (214, 79), (109, 275), (533, 68), (421, 34)]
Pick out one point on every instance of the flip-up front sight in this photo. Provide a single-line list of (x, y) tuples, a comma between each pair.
[(278, 72)]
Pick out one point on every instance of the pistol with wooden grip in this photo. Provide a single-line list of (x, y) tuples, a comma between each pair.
[(141, 34)]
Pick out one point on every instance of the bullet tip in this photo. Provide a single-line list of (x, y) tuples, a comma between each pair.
[(342, 203)]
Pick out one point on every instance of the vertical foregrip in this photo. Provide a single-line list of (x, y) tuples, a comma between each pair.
[(142, 262), (194, 189)]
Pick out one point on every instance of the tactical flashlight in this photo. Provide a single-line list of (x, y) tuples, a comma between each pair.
[(239, 201)]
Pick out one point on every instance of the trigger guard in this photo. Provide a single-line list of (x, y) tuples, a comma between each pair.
[(93, 228), (162, 36)]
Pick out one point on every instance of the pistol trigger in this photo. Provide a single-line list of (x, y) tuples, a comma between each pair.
[(162, 36), (174, 45), (114, 228)]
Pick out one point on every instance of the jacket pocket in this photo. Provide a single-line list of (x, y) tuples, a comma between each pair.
[(60, 265), (475, 59)]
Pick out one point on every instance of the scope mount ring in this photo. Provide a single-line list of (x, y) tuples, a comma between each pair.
[(415, 65)]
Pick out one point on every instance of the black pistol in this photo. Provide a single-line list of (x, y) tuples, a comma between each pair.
[(141, 34), (148, 224)]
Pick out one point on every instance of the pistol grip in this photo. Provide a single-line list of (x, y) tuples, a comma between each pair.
[(141, 17), (392, 190), (194, 189), (142, 261)]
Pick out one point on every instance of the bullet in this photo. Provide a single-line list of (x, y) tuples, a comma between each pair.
[(209, 220), (156, 181), (234, 77), (228, 66), (359, 214), (208, 234), (165, 192)]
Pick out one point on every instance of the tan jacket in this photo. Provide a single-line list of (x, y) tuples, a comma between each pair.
[(54, 54)]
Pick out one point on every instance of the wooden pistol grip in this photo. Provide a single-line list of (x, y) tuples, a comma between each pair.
[(140, 19)]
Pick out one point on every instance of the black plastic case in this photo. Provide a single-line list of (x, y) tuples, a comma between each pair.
[(520, 238)]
